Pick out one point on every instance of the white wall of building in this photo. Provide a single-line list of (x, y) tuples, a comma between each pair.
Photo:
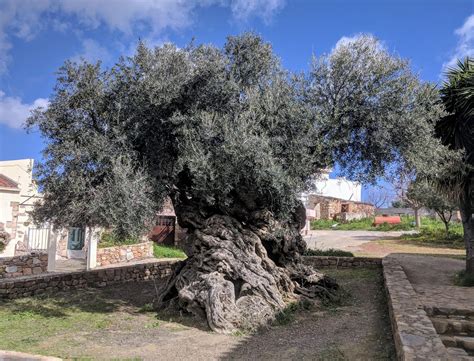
[(20, 171), (337, 188)]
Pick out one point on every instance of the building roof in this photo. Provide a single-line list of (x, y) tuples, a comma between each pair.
[(6, 182), (314, 199)]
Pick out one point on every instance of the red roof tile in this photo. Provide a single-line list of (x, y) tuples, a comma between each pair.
[(6, 182)]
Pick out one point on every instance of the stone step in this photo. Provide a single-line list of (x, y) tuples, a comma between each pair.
[(450, 312), (458, 354), (453, 326), (462, 342)]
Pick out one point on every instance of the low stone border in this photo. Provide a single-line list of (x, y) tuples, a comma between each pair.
[(18, 266), (414, 335), (54, 282), (342, 262), (125, 253)]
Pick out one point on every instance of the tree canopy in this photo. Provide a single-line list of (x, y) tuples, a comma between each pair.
[(229, 128)]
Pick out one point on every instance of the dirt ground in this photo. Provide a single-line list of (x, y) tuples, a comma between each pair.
[(424, 269), (372, 243), (117, 323)]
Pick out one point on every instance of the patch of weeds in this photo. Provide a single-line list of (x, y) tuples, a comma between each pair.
[(332, 353), (154, 324), (328, 253), (288, 314), (147, 307), (239, 333), (102, 324), (463, 279)]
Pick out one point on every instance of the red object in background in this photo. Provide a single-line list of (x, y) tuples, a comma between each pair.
[(387, 219), (163, 231)]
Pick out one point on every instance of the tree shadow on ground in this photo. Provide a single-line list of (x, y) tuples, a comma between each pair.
[(129, 297), (356, 329)]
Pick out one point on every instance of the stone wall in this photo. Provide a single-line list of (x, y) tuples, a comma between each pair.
[(335, 208), (50, 283), (342, 262), (125, 253), (414, 335), (31, 264)]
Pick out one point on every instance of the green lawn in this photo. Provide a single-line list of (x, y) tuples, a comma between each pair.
[(364, 224), (160, 251)]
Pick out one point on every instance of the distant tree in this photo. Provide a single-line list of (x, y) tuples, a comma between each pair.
[(379, 197), (402, 184), (428, 195), (232, 137), (399, 204), (456, 130)]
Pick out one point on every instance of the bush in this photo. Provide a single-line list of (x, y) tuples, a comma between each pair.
[(328, 252), (463, 279), (160, 251), (108, 239), (363, 224)]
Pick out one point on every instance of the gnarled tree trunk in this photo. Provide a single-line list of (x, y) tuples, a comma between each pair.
[(239, 273)]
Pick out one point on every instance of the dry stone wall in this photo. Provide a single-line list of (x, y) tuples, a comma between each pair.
[(342, 262), (125, 253), (50, 283), (30, 264), (414, 334)]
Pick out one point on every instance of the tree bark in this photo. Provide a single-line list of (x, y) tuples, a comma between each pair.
[(417, 218), (239, 273), (467, 217)]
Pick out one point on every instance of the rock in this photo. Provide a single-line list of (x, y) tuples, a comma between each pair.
[(441, 325), (37, 270), (11, 269)]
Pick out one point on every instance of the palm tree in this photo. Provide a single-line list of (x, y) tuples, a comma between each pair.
[(456, 130)]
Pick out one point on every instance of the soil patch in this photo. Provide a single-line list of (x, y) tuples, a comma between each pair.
[(117, 323)]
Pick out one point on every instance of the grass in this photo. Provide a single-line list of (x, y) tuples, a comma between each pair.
[(108, 239), (364, 224), (160, 251), (328, 252), (463, 279), (25, 324)]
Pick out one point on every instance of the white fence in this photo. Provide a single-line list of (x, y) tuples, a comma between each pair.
[(37, 238)]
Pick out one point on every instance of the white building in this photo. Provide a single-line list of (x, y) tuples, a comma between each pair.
[(338, 188), (18, 193)]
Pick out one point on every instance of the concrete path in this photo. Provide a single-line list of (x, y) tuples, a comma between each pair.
[(346, 240), (433, 280)]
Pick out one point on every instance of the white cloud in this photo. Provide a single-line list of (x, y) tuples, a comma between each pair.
[(465, 45), (92, 51), (265, 9), (13, 112), (25, 18)]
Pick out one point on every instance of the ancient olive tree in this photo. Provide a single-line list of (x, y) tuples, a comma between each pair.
[(231, 137)]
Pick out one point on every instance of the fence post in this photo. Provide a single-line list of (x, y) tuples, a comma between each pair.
[(91, 249), (52, 250)]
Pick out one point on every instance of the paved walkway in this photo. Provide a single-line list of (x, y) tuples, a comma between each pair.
[(346, 240), (432, 278)]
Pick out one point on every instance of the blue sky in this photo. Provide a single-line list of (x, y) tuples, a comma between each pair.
[(37, 36)]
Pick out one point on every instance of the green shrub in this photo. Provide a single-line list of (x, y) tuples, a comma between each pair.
[(328, 252), (160, 251), (463, 279), (108, 239)]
